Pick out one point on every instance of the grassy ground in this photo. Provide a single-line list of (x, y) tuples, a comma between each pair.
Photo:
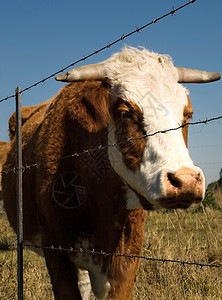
[(176, 235)]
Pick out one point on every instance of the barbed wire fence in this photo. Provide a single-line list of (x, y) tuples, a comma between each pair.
[(93, 252), (19, 169), (108, 46)]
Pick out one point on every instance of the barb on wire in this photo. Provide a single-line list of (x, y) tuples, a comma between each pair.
[(124, 36), (100, 147), (126, 255)]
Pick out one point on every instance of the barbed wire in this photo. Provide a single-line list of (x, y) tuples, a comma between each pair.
[(101, 147), (108, 254), (109, 45)]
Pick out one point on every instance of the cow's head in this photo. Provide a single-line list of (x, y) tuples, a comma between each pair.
[(145, 98)]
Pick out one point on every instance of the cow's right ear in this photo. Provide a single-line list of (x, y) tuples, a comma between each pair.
[(90, 105)]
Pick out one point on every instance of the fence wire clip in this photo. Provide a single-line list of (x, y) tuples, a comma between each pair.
[(27, 167), (92, 252), (183, 263), (103, 253), (87, 152), (172, 12), (201, 265), (138, 30)]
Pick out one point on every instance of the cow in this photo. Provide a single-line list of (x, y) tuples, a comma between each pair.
[(95, 161), (4, 148)]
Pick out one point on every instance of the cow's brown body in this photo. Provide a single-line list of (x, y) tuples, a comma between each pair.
[(102, 223)]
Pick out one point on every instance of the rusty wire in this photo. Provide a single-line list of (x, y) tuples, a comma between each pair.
[(109, 45)]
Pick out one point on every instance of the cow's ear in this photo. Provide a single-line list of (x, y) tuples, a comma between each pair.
[(90, 105)]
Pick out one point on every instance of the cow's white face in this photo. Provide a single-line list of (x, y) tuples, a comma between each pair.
[(144, 97), (158, 167)]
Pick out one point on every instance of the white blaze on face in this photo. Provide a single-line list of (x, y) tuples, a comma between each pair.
[(150, 81)]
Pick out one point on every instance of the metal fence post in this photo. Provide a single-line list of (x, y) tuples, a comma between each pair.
[(19, 193)]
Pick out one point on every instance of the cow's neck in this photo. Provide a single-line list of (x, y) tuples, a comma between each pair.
[(106, 205)]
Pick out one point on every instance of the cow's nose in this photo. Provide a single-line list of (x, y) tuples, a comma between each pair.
[(185, 185)]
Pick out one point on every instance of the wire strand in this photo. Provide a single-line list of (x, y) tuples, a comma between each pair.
[(109, 45), (100, 147), (126, 255), (81, 251)]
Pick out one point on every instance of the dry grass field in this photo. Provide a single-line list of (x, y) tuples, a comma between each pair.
[(193, 236)]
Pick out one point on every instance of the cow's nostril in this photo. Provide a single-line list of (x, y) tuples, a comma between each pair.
[(174, 180), (183, 187)]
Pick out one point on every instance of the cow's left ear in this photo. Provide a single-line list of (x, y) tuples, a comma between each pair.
[(90, 105)]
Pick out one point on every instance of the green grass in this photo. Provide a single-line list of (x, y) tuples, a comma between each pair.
[(177, 235)]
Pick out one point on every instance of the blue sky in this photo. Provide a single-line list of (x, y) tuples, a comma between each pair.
[(37, 38)]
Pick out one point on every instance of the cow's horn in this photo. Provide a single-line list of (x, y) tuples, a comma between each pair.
[(196, 76), (88, 72)]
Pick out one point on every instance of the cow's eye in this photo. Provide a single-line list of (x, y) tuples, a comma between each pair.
[(126, 114)]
